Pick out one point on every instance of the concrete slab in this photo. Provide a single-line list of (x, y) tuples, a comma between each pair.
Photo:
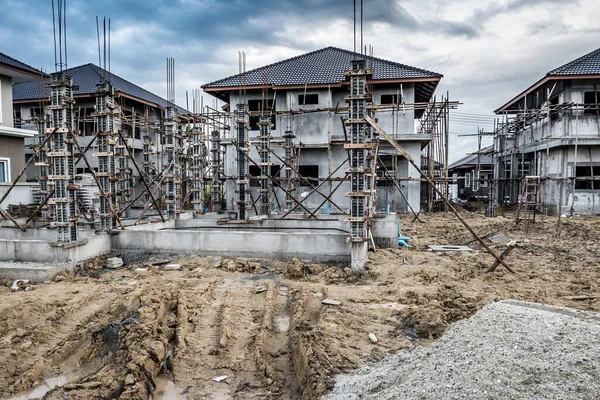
[(448, 247), (37, 272)]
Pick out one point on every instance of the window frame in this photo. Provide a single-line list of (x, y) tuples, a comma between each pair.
[(6, 177), (396, 97), (468, 179), (302, 97)]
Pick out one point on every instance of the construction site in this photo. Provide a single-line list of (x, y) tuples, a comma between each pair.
[(295, 238)]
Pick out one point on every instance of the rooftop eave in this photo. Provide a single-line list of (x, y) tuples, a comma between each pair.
[(19, 75), (16, 132), (541, 82)]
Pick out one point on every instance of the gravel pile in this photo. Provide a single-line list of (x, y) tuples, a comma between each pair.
[(508, 350)]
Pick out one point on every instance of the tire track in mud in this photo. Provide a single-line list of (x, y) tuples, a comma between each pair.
[(54, 336), (131, 351)]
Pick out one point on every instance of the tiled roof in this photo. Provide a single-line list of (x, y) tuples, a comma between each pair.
[(588, 64), (471, 159), (320, 67), (7, 60), (87, 76)]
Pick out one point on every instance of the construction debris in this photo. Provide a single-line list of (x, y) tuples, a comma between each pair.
[(489, 356), (330, 302), (448, 247), (114, 262)]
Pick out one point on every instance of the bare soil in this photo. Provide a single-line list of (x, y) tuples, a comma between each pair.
[(119, 334)]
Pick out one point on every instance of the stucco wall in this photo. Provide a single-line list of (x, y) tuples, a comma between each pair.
[(6, 118), (13, 148)]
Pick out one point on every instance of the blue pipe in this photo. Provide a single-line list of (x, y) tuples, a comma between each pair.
[(402, 239)]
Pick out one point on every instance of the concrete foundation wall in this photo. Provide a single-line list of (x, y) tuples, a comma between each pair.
[(20, 194), (240, 243), (45, 252)]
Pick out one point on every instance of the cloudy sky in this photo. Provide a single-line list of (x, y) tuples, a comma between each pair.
[(488, 51)]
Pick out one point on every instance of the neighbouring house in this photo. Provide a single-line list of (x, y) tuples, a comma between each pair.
[(140, 115), (470, 176), (301, 95), (12, 139), (552, 130)]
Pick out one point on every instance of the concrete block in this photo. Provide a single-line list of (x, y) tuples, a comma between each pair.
[(114, 262)]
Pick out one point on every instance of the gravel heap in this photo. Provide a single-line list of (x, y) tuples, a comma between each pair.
[(508, 350)]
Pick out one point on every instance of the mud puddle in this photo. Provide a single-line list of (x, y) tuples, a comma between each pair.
[(39, 391), (167, 390)]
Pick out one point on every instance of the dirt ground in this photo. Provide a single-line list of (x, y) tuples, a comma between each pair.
[(124, 334)]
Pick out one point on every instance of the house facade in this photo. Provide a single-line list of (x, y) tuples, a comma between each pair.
[(12, 139), (552, 130), (471, 176), (305, 100)]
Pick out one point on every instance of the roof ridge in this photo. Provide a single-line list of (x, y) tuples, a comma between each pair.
[(574, 62), (387, 61)]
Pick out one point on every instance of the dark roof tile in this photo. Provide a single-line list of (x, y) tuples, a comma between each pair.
[(319, 67), (588, 64), (7, 60), (87, 76)]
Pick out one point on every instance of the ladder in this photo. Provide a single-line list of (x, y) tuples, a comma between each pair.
[(528, 206)]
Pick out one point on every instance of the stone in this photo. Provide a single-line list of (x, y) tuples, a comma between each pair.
[(114, 262), (141, 271), (172, 267), (499, 238)]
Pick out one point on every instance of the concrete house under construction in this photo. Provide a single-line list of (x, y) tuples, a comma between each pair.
[(304, 100), (551, 132)]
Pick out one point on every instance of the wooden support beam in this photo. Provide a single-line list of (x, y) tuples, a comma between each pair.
[(262, 171), (432, 184), (504, 254), (387, 172), (137, 167), (102, 193), (39, 208)]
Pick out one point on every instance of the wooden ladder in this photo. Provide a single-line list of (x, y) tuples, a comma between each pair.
[(529, 205)]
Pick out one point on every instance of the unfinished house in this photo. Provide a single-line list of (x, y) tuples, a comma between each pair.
[(300, 102), (547, 145), (310, 157), (138, 119)]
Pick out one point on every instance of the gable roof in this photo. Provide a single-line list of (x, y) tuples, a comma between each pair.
[(87, 76), (584, 67), (471, 159), (323, 67), (19, 71)]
